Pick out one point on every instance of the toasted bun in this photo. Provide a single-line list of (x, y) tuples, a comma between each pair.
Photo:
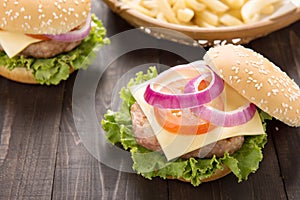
[(258, 80), (219, 173), (20, 74), (43, 17)]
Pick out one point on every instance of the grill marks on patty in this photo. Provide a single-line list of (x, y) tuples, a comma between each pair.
[(145, 137)]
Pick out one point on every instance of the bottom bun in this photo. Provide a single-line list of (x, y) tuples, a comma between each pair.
[(219, 173), (21, 74)]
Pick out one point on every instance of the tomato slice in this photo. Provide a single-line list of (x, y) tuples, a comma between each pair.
[(203, 84), (37, 36), (181, 122), (184, 121)]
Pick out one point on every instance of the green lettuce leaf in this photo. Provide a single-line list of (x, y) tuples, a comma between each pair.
[(154, 164), (53, 70)]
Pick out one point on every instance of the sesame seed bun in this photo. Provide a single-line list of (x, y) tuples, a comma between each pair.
[(258, 80), (20, 74), (43, 17)]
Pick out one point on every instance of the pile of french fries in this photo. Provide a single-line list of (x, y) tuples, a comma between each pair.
[(206, 13)]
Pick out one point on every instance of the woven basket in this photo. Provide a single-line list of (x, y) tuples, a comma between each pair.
[(205, 36)]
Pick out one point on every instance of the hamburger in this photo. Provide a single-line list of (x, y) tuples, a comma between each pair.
[(44, 42), (255, 89)]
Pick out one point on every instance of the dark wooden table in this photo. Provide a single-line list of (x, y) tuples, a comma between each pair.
[(43, 157)]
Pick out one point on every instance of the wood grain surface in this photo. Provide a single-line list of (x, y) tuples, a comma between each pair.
[(43, 157)]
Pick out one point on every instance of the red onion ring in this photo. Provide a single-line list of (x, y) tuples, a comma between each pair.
[(75, 35), (197, 100), (217, 117), (185, 100)]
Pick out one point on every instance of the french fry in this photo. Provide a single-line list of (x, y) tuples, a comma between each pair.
[(179, 4), (251, 10), (229, 20), (160, 16), (199, 21), (236, 13), (268, 10), (185, 15), (140, 8), (149, 4), (171, 2), (195, 5), (234, 4), (165, 8), (215, 5), (209, 17)]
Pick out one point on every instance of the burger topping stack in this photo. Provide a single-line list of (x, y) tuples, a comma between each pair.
[(173, 99)]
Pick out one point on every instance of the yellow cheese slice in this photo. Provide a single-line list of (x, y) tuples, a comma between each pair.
[(175, 145), (14, 43)]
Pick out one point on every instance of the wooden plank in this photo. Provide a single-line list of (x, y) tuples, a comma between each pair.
[(113, 23), (256, 187), (285, 53), (80, 175), (29, 138)]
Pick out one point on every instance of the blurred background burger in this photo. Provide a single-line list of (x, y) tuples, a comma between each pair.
[(43, 42)]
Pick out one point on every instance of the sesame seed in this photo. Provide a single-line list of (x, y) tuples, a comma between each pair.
[(270, 81), (258, 86), (8, 13), (275, 91)]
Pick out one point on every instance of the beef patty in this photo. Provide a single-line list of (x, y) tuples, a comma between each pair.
[(145, 137), (47, 48)]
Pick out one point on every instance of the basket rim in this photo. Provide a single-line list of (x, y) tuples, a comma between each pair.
[(252, 30)]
